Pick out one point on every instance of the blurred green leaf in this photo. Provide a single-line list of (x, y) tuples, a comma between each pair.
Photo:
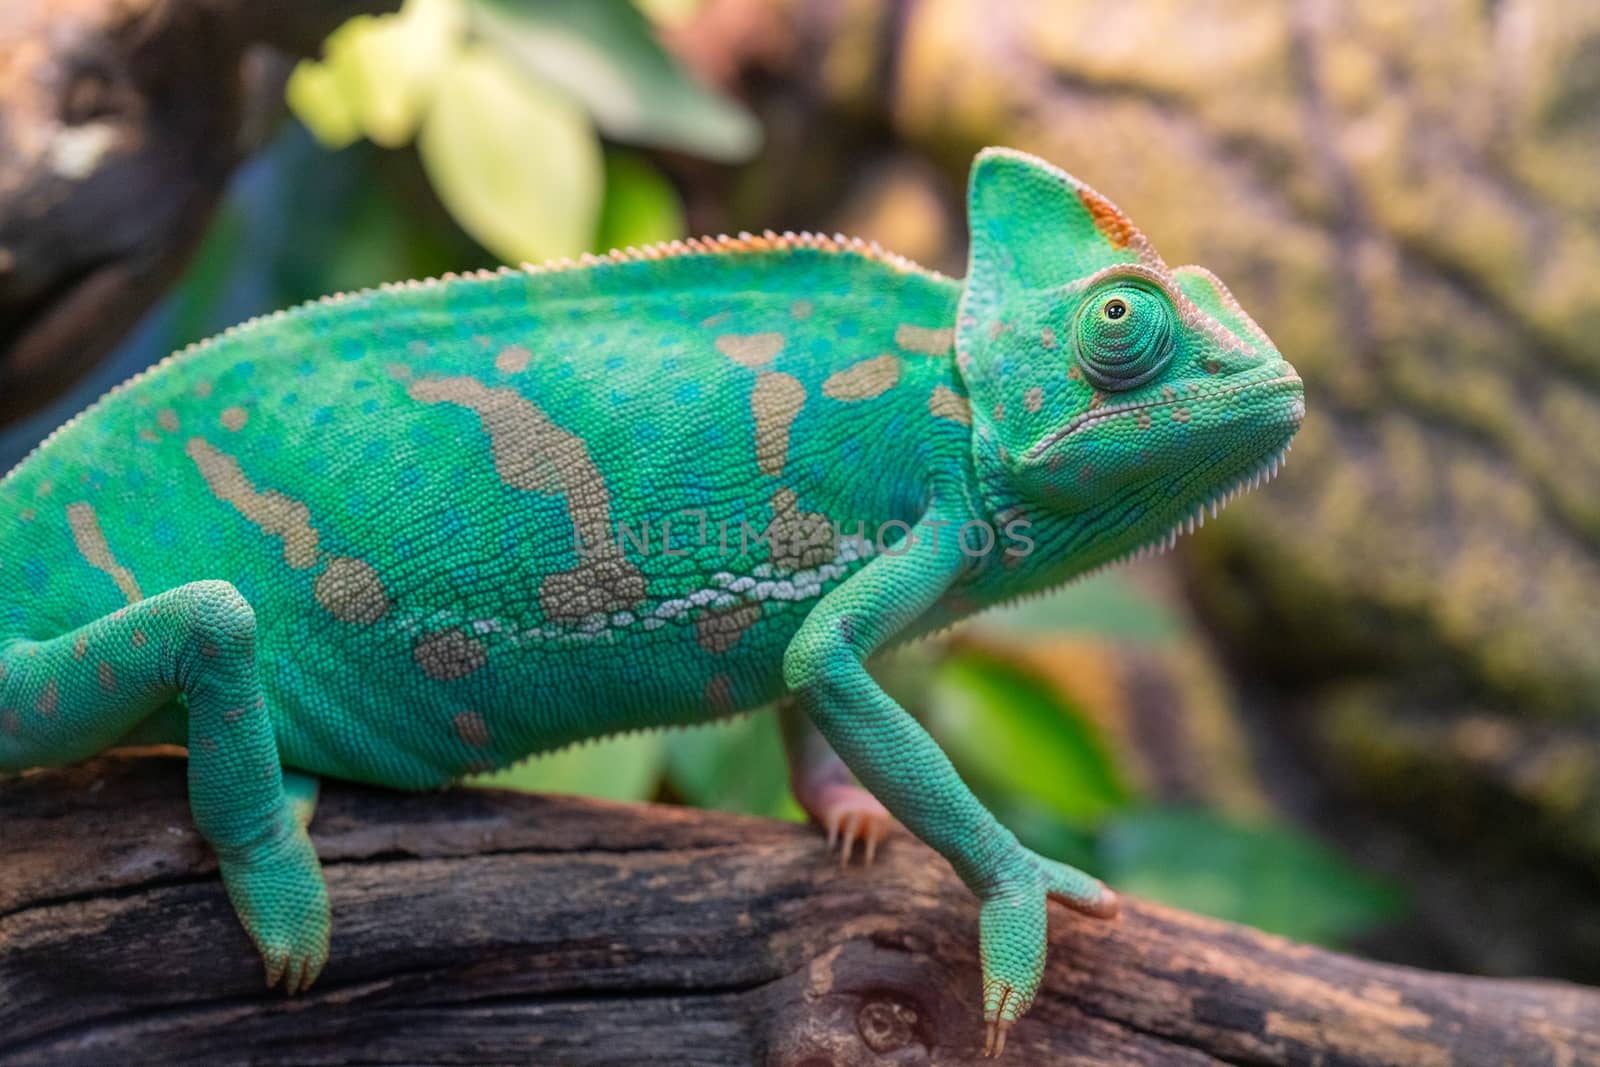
[(515, 161), (318, 99), (1110, 605), (1000, 722), (625, 767), (378, 74), (669, 12), (605, 54), (736, 765), (641, 207), (1268, 876)]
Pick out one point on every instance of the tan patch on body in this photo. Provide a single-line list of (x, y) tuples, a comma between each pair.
[(50, 699), (600, 584), (1033, 399), (107, 677), (999, 411), (95, 550), (1047, 337), (398, 371), (800, 540), (532, 453), (864, 380), (80, 647), (149, 436), (802, 309), (512, 359), (1113, 225), (138, 640), (1180, 414), (1143, 419), (202, 389), (351, 591), (278, 515), (449, 654), (719, 694), (929, 340), (750, 349), (167, 419), (234, 418), (472, 730), (719, 629), (774, 403), (946, 403)]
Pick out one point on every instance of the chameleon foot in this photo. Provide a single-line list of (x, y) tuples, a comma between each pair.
[(849, 813), (282, 902), (1012, 933)]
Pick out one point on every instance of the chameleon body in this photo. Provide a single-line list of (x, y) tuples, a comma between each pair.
[(395, 536)]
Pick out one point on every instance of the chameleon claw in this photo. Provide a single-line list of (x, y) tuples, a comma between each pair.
[(832, 824), (994, 1040), (277, 966), (852, 826)]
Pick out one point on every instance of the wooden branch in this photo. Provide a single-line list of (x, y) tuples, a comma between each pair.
[(476, 926), (120, 121)]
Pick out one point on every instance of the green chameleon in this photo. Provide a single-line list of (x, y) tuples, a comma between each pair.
[(410, 534)]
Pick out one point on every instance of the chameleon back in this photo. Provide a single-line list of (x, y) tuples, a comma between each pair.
[(442, 482)]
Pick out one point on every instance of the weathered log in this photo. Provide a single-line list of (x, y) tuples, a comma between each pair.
[(120, 121), (476, 926)]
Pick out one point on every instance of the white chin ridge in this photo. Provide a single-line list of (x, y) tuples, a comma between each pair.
[(1263, 473)]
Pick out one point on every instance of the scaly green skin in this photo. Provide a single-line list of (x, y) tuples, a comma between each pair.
[(346, 539)]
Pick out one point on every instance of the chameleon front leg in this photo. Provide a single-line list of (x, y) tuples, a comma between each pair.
[(67, 698), (826, 789), (895, 758)]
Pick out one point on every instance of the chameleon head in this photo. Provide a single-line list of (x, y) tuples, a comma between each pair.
[(1114, 400)]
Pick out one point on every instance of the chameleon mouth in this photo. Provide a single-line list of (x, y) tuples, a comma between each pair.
[(1090, 419)]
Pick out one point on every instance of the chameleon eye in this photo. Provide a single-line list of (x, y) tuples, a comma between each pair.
[(1124, 335)]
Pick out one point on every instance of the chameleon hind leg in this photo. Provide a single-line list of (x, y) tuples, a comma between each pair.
[(894, 757), (65, 699), (826, 789)]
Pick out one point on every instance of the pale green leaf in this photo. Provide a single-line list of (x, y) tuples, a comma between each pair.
[(515, 161), (605, 54), (317, 98), (625, 767), (378, 73)]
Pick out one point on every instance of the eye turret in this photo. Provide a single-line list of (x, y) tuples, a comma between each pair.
[(1124, 333)]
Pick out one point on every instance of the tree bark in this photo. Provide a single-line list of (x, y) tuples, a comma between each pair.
[(120, 121), (476, 926)]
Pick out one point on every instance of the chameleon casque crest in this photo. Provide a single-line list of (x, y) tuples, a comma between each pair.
[(374, 537)]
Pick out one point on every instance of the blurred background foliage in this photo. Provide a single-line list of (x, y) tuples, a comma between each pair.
[(1361, 709)]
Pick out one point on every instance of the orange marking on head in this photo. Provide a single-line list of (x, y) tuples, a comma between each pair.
[(1113, 225)]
